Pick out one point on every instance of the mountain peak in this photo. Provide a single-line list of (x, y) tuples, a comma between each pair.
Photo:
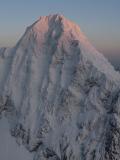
[(56, 31), (55, 20), (57, 15), (61, 96)]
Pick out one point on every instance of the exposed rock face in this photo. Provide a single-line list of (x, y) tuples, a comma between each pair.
[(61, 96)]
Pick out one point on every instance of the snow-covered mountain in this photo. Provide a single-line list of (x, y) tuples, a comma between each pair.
[(60, 95)]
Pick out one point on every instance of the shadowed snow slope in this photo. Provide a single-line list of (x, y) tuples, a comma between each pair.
[(9, 150), (60, 95)]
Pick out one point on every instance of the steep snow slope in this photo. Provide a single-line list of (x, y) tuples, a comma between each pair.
[(60, 95)]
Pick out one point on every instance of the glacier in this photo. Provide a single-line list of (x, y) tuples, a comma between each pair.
[(60, 95)]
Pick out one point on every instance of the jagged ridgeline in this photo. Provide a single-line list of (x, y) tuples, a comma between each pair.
[(60, 95)]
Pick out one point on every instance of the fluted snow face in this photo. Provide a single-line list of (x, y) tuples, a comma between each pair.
[(60, 95)]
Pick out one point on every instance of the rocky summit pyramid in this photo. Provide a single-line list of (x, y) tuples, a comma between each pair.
[(59, 94)]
